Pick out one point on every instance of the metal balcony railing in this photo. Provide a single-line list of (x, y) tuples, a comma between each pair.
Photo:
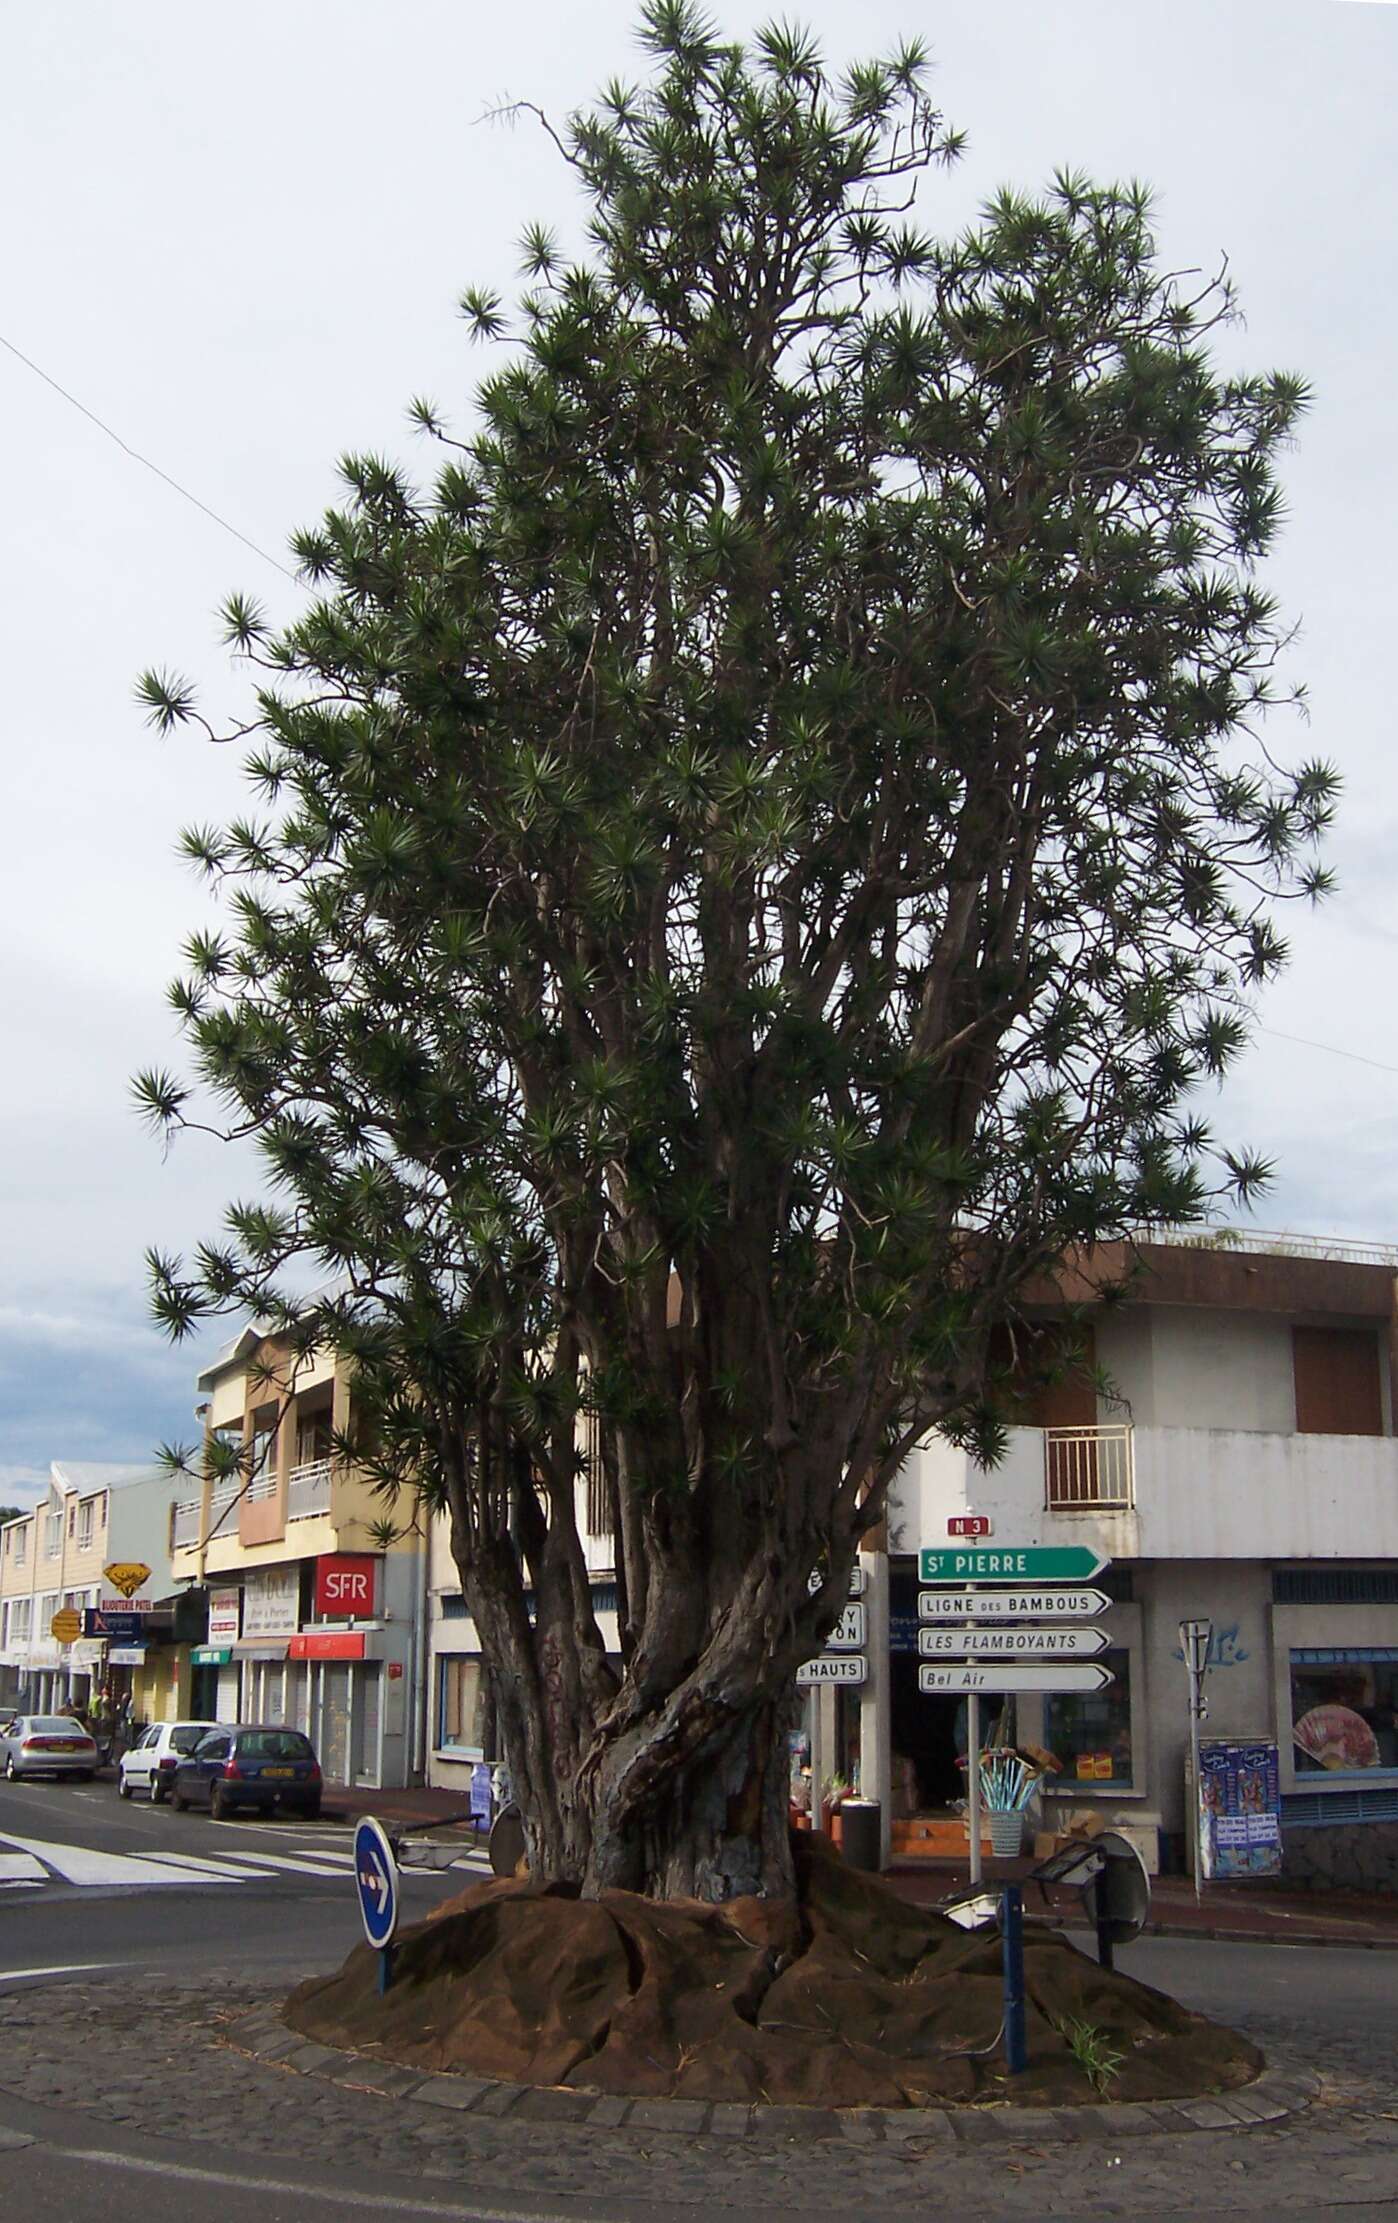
[(223, 1521), (186, 1524), (262, 1486), (308, 1490), (1089, 1470)]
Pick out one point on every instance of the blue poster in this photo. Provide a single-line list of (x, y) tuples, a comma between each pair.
[(1239, 1808)]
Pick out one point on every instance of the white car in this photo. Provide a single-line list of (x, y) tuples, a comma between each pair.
[(149, 1766)]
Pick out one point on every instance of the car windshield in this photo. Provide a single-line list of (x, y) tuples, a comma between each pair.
[(273, 1744), (184, 1740), (56, 1725)]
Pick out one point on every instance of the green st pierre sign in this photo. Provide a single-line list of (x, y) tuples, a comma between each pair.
[(1006, 1563)]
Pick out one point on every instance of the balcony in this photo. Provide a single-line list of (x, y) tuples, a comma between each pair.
[(185, 1530), (222, 1519), (308, 1490), (262, 1486), (1089, 1470), (1138, 1492)]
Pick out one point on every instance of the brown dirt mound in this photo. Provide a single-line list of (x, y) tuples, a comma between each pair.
[(852, 1998)]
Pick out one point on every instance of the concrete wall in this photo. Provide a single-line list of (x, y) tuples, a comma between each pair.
[(1201, 1493), (1183, 1367)]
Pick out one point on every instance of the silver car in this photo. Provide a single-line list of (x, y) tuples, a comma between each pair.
[(47, 1744)]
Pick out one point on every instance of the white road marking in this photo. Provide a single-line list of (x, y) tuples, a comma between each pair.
[(66, 1968), (283, 1863), (380, 2203), (79, 1864), (21, 1867)]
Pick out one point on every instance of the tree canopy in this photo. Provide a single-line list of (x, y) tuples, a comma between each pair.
[(753, 861)]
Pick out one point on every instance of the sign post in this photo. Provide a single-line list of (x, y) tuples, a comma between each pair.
[(1012, 1943), (970, 1659), (376, 1881), (1195, 1637)]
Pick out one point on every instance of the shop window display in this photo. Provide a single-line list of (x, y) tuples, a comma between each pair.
[(461, 1704), (1344, 1711), (1090, 1736)]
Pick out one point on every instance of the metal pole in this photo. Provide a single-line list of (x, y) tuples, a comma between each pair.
[(1012, 1941), (815, 1756), (973, 1779), (1196, 1790), (1105, 1956), (385, 1968)]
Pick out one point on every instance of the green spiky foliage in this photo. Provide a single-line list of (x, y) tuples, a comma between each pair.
[(750, 864)]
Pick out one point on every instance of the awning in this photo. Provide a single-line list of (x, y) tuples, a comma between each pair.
[(260, 1648), (210, 1655), (328, 1644)]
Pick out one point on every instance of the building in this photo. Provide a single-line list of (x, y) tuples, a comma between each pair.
[(90, 1517), (1244, 1469), (461, 1724), (316, 1612)]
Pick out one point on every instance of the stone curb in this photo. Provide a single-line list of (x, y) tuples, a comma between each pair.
[(1273, 2097)]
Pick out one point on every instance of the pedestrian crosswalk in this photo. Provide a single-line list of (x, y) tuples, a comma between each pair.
[(29, 1863)]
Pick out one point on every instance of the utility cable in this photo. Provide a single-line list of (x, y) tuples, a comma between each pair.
[(137, 457)]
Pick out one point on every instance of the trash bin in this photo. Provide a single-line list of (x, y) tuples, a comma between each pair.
[(862, 1821)]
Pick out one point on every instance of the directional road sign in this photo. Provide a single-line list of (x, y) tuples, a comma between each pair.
[(958, 1678), (834, 1667), (376, 1880), (1011, 1605), (1029, 1563), (848, 1632), (1007, 1644)]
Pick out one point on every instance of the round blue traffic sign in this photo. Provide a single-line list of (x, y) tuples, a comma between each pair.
[(376, 1880)]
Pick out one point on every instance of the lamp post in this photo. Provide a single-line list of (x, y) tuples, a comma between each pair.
[(1195, 1637)]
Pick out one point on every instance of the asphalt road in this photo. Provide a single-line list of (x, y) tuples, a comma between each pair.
[(265, 1895), (296, 1914)]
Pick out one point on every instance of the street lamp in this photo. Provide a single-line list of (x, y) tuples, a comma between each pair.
[(1195, 1638)]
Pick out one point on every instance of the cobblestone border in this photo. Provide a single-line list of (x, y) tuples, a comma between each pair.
[(1271, 2098)]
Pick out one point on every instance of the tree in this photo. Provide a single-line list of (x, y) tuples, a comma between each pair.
[(10, 1513), (756, 860)]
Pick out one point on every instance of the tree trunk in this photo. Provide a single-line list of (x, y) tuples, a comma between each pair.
[(719, 1829)]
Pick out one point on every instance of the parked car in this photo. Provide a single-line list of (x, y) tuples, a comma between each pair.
[(249, 1765), (150, 1764), (47, 1744)]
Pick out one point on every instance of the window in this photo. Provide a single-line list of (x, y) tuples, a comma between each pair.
[(599, 1497), (1090, 1737), (1336, 1373), (461, 1704), (1344, 1710), (72, 1517), (21, 1610), (53, 1535), (85, 1513), (21, 1537)]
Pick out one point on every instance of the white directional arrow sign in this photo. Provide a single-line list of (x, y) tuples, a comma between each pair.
[(958, 1678), (1008, 1644), (1071, 1603)]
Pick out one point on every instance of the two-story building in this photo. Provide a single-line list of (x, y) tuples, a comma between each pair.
[(51, 1559), (315, 1588), (1243, 1469)]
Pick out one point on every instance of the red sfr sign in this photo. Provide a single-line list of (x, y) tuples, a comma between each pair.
[(345, 1586), (969, 1524)]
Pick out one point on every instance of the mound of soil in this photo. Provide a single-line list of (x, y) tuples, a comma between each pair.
[(848, 1998)]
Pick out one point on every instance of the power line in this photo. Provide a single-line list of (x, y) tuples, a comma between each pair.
[(137, 457), (1355, 1057)]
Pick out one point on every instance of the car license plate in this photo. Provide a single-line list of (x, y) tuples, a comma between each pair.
[(279, 1771)]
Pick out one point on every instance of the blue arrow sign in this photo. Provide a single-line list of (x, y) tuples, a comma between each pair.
[(376, 1881)]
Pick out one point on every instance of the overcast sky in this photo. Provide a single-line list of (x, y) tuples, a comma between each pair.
[(238, 235)]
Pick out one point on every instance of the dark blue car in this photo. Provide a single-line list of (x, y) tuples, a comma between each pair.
[(249, 1766)]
